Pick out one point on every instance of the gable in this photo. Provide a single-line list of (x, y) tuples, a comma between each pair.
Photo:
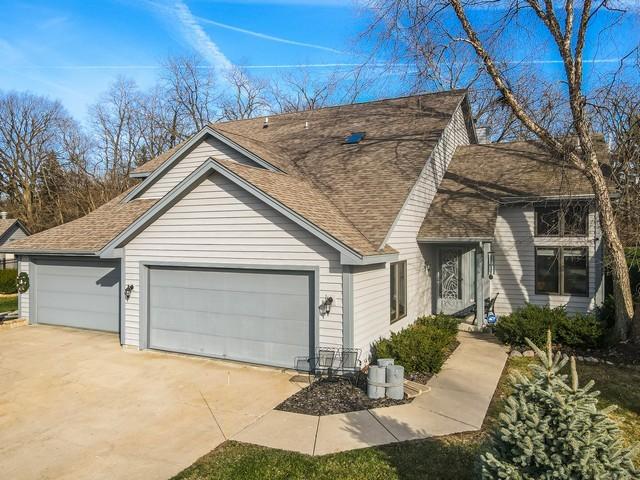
[(207, 147), (219, 220)]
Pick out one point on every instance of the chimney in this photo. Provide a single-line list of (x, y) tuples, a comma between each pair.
[(483, 134), (3, 215)]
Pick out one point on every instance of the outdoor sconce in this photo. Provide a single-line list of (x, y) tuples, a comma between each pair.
[(325, 306), (127, 291), (491, 267)]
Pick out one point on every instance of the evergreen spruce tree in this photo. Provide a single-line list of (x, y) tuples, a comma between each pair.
[(552, 429)]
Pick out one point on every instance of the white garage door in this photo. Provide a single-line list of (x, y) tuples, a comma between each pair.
[(257, 316), (79, 293)]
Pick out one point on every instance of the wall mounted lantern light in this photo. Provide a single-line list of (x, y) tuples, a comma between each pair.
[(325, 306), (127, 291), (491, 267)]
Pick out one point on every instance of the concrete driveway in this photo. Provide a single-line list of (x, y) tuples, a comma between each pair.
[(74, 404)]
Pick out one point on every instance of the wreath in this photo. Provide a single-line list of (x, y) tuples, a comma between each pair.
[(22, 282)]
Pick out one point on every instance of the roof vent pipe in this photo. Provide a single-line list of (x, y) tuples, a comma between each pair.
[(266, 122), (3, 215), (306, 125)]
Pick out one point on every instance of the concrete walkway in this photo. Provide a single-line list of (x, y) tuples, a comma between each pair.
[(457, 402)]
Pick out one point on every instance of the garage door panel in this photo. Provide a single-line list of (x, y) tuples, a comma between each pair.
[(240, 349), (268, 329), (232, 302), (78, 293), (256, 316)]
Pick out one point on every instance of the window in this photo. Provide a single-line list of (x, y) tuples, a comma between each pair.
[(561, 271), (574, 266), (398, 290), (562, 220)]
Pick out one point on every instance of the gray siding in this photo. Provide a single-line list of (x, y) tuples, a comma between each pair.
[(514, 249), (218, 223), (371, 307), (210, 147)]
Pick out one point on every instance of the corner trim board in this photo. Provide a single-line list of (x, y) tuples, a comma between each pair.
[(347, 307)]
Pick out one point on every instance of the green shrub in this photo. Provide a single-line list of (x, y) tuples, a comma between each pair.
[(606, 312), (579, 330), (532, 321), (440, 321), (420, 348), (8, 281)]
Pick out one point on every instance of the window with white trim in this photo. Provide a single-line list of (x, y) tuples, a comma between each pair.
[(398, 290)]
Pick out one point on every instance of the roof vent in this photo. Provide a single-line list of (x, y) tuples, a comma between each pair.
[(3, 215), (355, 137), (266, 122), (306, 125)]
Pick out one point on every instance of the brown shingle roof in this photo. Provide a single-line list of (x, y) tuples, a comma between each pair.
[(88, 234), (155, 162), (480, 176), (305, 199), (368, 182)]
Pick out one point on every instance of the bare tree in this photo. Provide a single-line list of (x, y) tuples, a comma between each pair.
[(244, 97), (567, 27), (117, 133), (192, 90), (31, 137), (300, 91), (617, 115)]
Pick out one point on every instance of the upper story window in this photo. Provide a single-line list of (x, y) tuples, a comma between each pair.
[(398, 290), (568, 220)]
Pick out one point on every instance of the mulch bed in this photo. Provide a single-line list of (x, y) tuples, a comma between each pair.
[(330, 396)]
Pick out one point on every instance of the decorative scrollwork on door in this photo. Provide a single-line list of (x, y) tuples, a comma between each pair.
[(449, 276)]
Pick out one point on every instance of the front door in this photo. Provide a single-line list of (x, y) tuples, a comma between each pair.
[(455, 279)]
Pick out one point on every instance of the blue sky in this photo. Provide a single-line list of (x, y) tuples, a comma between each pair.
[(72, 50)]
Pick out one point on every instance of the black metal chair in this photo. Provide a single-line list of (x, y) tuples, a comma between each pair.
[(350, 363), (489, 307)]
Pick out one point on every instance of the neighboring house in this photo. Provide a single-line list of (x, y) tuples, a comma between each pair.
[(260, 240), (10, 230)]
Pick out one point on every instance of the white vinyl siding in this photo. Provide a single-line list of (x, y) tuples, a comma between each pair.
[(209, 147), (23, 266), (370, 301), (218, 223), (371, 312), (514, 248)]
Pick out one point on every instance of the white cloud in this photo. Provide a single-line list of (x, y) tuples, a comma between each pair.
[(267, 37), (198, 38)]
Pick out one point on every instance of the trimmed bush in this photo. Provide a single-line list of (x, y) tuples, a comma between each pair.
[(581, 331), (8, 281), (440, 321), (532, 321), (422, 347)]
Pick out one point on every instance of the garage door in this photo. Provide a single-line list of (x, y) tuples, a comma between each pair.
[(257, 316), (78, 293)]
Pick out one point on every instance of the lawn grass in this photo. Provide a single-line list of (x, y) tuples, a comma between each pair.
[(8, 303), (450, 457)]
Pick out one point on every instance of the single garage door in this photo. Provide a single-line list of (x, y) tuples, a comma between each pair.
[(257, 316), (79, 293)]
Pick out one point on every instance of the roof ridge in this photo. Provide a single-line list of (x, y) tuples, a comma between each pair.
[(342, 105)]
